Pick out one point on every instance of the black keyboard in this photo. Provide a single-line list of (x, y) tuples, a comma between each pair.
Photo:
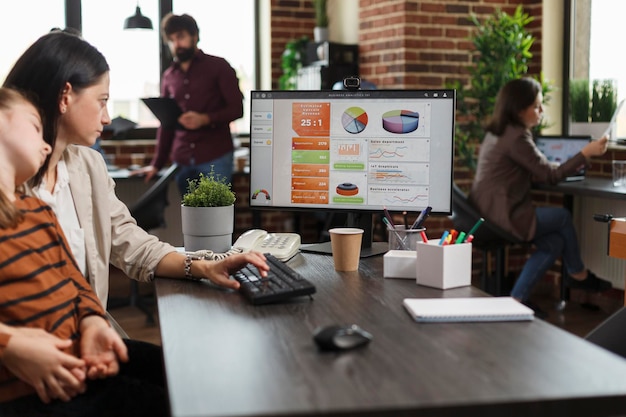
[(281, 283)]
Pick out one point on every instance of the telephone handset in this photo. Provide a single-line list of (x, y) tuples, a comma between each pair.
[(282, 245)]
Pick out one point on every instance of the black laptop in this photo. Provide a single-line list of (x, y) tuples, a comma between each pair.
[(559, 149)]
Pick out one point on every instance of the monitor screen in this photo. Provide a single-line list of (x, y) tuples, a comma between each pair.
[(354, 151)]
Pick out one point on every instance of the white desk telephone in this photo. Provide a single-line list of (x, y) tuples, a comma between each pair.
[(282, 245)]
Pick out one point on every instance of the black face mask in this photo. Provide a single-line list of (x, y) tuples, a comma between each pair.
[(184, 54)]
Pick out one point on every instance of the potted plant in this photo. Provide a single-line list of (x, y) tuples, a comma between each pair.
[(291, 61), (603, 100), (591, 113), (502, 45), (579, 100), (320, 31), (208, 214)]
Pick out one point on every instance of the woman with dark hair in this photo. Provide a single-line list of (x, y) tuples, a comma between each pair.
[(70, 78), (508, 164)]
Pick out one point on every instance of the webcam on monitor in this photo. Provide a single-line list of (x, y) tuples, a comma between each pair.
[(352, 83)]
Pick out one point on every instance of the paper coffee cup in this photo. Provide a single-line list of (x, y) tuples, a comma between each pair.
[(346, 246)]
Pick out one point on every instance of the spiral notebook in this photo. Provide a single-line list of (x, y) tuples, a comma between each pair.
[(440, 310)]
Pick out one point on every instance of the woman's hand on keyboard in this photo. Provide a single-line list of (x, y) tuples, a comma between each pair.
[(219, 272)]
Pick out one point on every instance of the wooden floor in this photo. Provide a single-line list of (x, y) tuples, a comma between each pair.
[(577, 317)]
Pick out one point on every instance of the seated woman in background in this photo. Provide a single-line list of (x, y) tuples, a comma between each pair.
[(54, 338), (508, 164)]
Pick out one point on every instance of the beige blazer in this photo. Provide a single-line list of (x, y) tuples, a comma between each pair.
[(507, 167), (111, 234)]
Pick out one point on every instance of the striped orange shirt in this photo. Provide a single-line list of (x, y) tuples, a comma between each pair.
[(40, 284)]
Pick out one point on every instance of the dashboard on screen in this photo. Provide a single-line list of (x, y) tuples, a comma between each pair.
[(352, 150)]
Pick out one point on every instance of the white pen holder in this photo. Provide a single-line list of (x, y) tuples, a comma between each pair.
[(399, 264), (444, 266)]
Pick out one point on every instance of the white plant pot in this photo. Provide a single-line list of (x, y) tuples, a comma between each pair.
[(320, 34), (208, 228), (594, 129)]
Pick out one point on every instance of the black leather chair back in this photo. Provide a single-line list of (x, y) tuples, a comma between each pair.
[(149, 210), (464, 216)]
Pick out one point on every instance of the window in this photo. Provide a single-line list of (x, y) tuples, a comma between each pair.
[(18, 37), (606, 61), (133, 55)]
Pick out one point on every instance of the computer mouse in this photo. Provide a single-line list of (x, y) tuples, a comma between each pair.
[(341, 337)]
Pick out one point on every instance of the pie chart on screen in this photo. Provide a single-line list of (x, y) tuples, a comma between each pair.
[(354, 120), (400, 121)]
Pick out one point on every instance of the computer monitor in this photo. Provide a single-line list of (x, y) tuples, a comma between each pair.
[(352, 151)]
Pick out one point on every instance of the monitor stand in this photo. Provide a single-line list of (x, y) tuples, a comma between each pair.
[(368, 248)]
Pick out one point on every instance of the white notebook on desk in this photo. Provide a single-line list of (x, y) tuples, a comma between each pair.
[(440, 310)]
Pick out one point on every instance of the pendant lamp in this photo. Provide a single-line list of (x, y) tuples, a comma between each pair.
[(138, 21)]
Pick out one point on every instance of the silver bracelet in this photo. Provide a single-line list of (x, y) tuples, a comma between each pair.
[(188, 262)]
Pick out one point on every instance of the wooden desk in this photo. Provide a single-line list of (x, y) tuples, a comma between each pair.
[(225, 357)]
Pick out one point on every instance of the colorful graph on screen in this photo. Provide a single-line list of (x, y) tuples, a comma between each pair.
[(400, 121), (354, 120)]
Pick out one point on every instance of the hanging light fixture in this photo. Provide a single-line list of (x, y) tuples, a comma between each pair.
[(138, 21)]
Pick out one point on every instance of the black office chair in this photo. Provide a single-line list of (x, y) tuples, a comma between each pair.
[(489, 238), (149, 212)]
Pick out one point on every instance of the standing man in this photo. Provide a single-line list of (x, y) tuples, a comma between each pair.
[(207, 90)]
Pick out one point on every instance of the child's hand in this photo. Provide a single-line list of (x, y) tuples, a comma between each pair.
[(43, 365), (101, 348)]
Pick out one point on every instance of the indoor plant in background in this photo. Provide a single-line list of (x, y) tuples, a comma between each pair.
[(208, 214), (591, 111), (502, 48), (320, 31), (291, 61)]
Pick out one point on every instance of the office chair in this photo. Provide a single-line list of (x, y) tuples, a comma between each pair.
[(149, 212), (489, 238)]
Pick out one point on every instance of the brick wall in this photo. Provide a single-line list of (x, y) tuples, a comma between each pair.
[(405, 43), (424, 44), (290, 19)]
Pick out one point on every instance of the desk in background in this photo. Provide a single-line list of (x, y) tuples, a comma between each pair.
[(594, 195), (225, 357), (129, 189)]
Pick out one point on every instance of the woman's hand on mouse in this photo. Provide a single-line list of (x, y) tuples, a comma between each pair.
[(219, 272)]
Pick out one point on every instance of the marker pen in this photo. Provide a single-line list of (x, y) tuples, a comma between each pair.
[(388, 216), (461, 238), (476, 226), (443, 237), (424, 237)]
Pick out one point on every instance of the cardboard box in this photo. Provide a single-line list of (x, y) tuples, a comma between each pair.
[(400, 264), (444, 267)]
